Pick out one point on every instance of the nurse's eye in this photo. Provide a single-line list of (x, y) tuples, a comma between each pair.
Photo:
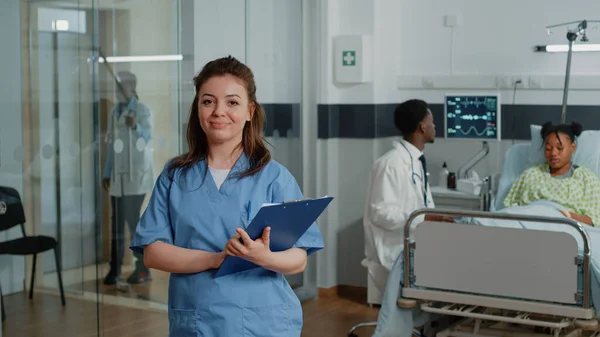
[(207, 102), (234, 103)]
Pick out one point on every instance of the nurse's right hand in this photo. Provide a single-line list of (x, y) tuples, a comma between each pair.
[(106, 183)]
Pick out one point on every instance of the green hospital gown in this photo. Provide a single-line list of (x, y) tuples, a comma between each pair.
[(579, 193)]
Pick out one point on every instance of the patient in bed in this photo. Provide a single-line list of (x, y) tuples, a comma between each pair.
[(558, 180)]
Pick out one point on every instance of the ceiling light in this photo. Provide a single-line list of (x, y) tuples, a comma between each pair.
[(563, 48), (147, 58), (60, 25)]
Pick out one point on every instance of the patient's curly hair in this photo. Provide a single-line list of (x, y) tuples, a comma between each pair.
[(572, 130)]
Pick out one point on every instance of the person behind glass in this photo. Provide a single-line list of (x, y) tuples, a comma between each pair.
[(201, 204), (128, 173)]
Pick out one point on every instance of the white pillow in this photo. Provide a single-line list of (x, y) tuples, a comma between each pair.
[(536, 149), (588, 150), (587, 153)]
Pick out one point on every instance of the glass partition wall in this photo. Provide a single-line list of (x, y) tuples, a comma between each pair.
[(83, 62)]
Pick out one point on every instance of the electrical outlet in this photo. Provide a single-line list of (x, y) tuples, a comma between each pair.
[(503, 82), (536, 82), (521, 82), (451, 20), (427, 82)]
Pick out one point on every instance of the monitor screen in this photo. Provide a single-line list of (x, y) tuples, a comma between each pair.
[(472, 116)]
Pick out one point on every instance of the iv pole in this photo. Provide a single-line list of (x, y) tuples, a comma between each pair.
[(571, 37)]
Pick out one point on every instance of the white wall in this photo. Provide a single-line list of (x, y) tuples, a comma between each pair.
[(495, 38), (265, 34), (496, 44), (12, 269)]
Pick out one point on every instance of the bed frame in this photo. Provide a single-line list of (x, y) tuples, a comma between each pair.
[(498, 281)]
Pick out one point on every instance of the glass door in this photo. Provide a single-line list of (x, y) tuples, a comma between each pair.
[(60, 171), (109, 88), (138, 118)]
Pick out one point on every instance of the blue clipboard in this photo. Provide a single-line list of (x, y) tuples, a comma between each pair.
[(288, 222)]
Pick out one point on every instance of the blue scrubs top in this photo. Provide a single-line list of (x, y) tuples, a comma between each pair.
[(189, 211)]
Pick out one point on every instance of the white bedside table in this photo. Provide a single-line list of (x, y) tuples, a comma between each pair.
[(453, 199)]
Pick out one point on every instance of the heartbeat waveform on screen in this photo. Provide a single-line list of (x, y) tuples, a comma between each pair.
[(470, 117), (489, 103), (474, 129)]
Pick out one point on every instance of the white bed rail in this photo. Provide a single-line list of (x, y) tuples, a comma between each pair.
[(546, 260)]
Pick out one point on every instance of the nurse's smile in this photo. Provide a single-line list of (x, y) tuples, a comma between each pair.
[(218, 125)]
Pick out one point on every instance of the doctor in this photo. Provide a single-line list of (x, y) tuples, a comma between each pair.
[(398, 185), (128, 173)]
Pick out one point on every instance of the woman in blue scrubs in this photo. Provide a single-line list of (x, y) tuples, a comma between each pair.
[(200, 205)]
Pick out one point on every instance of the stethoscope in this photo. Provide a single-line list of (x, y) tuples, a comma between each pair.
[(412, 168)]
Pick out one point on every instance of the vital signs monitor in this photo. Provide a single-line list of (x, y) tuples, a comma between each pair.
[(472, 116)]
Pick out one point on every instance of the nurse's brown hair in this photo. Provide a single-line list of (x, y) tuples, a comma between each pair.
[(252, 137)]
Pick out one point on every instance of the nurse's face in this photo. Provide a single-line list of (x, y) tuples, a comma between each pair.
[(125, 96), (223, 109)]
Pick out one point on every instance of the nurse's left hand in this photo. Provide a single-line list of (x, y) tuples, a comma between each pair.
[(255, 251)]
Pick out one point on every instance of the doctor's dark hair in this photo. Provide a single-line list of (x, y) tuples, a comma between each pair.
[(572, 130), (409, 114), (252, 141)]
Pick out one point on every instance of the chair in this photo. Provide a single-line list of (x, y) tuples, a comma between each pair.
[(11, 215)]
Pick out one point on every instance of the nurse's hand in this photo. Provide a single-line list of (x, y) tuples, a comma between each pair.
[(255, 251), (218, 260), (130, 122)]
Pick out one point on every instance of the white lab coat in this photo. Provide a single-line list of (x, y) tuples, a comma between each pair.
[(129, 161), (391, 198)]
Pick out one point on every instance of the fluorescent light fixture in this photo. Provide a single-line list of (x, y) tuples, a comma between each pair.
[(563, 48), (147, 58), (60, 25)]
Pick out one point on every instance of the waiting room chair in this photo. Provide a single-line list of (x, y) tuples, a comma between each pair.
[(11, 215)]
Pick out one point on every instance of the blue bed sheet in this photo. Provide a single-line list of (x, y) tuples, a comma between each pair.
[(397, 322)]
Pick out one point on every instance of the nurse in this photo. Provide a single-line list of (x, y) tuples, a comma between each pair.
[(398, 186), (201, 203), (128, 173)]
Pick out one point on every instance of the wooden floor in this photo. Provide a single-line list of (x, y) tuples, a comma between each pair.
[(156, 291), (332, 314)]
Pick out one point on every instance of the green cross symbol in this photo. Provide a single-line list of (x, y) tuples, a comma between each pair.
[(349, 58)]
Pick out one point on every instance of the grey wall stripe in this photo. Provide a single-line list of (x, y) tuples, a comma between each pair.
[(376, 120), (283, 117), (369, 121)]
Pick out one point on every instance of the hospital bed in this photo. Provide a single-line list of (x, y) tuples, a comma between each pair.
[(527, 272)]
